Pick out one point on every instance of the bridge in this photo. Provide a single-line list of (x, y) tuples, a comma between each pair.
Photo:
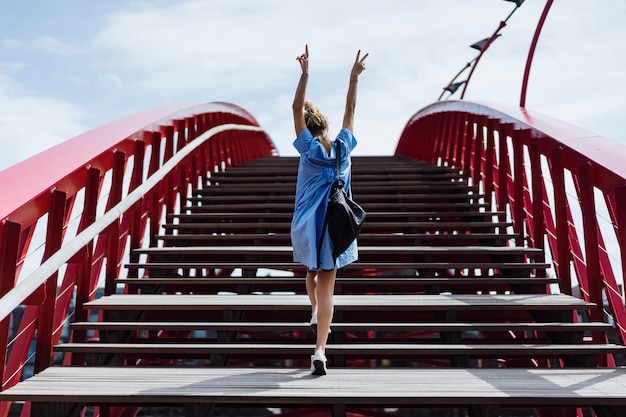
[(147, 265), (484, 281)]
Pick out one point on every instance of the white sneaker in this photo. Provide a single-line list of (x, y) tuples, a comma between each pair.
[(313, 323), (318, 363)]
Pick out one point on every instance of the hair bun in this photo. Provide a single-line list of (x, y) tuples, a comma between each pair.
[(310, 107)]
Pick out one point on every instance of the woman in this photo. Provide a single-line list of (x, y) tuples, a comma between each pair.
[(316, 173)]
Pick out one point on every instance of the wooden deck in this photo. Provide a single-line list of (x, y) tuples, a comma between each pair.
[(446, 307), (604, 388)]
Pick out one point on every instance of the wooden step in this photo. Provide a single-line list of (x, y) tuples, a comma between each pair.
[(359, 166), (390, 281), (260, 177), (342, 327), (358, 189), (375, 215), (343, 285), (447, 239), (364, 251), (368, 226), (264, 207), (364, 198), (342, 387), (407, 302), (423, 267), (425, 182), (367, 254), (355, 350)]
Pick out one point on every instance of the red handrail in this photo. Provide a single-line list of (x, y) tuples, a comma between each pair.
[(92, 174), (557, 182)]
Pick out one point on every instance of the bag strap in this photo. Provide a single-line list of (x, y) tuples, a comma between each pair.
[(325, 226), (319, 245), (338, 158)]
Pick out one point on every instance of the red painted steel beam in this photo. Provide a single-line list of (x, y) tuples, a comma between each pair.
[(81, 164), (606, 153), (566, 148), (65, 160), (531, 52)]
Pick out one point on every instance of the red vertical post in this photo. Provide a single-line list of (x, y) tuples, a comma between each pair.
[(113, 236), (225, 141), (168, 133), (490, 160), (238, 148), (444, 138), (84, 259), (539, 228), (45, 326), (590, 230), (170, 190), (451, 134), (517, 210), (502, 197), (477, 171), (459, 143), (192, 133), (137, 175), (113, 259), (179, 127), (153, 166), (202, 166), (620, 220), (429, 153), (10, 237), (468, 144), (182, 170), (136, 179), (563, 252)]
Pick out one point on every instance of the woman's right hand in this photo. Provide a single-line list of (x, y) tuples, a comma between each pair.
[(359, 65), (304, 60)]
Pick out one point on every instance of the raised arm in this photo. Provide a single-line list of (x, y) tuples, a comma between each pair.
[(357, 69), (298, 100)]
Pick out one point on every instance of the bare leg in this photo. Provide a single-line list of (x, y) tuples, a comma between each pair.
[(311, 284), (325, 307)]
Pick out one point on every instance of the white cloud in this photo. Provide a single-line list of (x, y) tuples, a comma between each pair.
[(111, 80), (46, 43), (30, 124), (10, 43), (150, 53), (13, 65), (245, 51)]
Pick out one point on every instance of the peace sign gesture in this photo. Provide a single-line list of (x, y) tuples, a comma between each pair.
[(359, 65), (304, 60)]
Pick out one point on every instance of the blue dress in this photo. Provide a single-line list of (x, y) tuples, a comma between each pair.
[(316, 174)]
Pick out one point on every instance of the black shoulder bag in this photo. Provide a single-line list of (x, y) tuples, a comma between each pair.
[(344, 217)]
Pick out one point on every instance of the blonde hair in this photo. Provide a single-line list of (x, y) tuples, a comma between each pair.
[(317, 124)]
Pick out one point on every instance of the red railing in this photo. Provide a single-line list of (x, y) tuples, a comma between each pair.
[(563, 188), (70, 215)]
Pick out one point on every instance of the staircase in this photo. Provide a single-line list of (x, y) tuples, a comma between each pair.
[(446, 308)]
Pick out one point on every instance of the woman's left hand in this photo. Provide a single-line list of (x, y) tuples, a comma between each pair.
[(304, 60)]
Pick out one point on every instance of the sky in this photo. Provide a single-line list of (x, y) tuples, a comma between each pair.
[(69, 66)]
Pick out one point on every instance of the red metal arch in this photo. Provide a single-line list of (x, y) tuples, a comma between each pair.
[(99, 169), (532, 165)]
